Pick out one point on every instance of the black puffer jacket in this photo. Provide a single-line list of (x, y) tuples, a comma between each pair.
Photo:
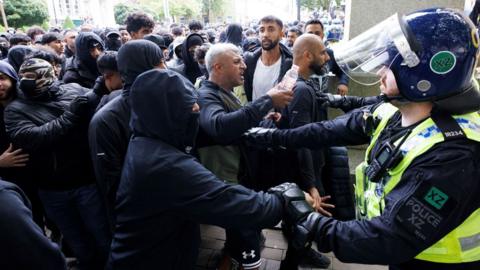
[(82, 68), (165, 193), (251, 59), (53, 137)]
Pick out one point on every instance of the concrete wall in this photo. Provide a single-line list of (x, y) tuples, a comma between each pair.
[(363, 14)]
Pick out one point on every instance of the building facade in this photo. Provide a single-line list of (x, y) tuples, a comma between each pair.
[(96, 12)]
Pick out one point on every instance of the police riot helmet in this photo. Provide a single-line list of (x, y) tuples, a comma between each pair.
[(431, 52)]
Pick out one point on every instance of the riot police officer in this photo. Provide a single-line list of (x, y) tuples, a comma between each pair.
[(417, 190)]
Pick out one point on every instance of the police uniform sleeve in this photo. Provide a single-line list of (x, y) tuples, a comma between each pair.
[(435, 195), (348, 129)]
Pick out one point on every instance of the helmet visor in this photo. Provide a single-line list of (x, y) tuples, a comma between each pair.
[(363, 57)]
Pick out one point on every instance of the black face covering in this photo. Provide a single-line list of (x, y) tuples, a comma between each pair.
[(29, 87), (191, 131), (113, 44), (203, 69)]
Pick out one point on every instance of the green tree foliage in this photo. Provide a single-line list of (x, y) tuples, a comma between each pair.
[(68, 23), (211, 8), (121, 11), (21, 12), (186, 9), (315, 4)]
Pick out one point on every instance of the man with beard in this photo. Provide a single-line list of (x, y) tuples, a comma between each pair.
[(267, 65), (69, 37), (315, 27), (55, 41), (223, 122), (109, 130), (265, 68), (292, 35), (82, 68), (309, 105)]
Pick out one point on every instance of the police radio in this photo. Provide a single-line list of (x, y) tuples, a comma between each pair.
[(387, 157)]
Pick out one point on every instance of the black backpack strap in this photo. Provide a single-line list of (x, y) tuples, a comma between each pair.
[(449, 127)]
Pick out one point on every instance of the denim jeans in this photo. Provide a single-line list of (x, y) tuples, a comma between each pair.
[(81, 218)]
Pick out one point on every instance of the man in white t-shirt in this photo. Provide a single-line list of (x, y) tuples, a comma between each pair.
[(267, 65)]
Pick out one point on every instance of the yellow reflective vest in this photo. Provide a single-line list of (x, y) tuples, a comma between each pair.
[(460, 245)]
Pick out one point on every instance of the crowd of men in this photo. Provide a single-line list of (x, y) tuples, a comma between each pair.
[(120, 142), (67, 112)]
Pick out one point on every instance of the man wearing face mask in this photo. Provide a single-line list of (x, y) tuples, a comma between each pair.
[(49, 125), (190, 68), (113, 41), (82, 68)]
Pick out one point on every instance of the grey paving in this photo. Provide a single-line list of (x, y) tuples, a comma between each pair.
[(213, 239)]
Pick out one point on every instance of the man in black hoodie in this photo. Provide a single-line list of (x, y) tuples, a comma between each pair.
[(82, 68), (190, 68), (165, 192), (109, 130), (267, 65), (17, 54), (47, 124)]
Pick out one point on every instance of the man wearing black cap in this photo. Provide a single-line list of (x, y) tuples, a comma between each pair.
[(159, 40), (113, 40), (109, 130), (54, 41)]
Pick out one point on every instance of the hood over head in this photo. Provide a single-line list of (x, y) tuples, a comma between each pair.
[(40, 77), (83, 43), (234, 34), (17, 54), (7, 69), (192, 70), (136, 57), (162, 102)]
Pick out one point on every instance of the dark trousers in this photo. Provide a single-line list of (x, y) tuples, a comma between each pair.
[(81, 218), (244, 246)]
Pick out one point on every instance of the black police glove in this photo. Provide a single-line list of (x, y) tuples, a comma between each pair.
[(260, 137), (348, 103), (79, 106), (99, 88), (304, 231), (295, 205)]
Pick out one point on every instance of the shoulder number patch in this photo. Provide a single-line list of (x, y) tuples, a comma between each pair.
[(436, 198)]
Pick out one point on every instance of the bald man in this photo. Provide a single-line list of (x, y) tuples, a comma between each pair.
[(310, 55), (309, 105)]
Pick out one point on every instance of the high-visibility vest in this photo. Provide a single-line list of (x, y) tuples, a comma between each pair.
[(460, 245)]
